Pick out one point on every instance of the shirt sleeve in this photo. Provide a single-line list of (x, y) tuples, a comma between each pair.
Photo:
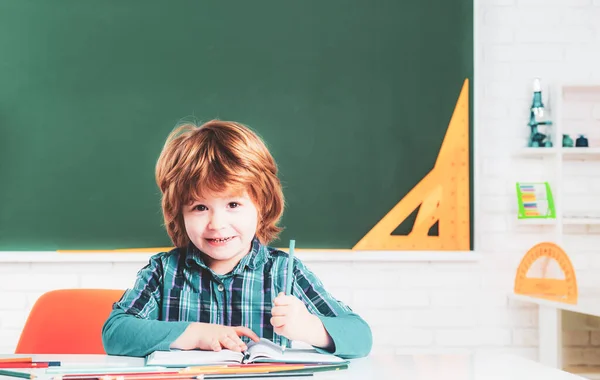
[(133, 327), (351, 335)]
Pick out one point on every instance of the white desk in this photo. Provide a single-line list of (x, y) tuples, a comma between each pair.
[(399, 367), (550, 322)]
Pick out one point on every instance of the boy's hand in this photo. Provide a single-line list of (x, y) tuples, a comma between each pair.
[(291, 319), (210, 336)]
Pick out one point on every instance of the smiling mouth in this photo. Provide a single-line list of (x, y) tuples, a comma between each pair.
[(221, 240)]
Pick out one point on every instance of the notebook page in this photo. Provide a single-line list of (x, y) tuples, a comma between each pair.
[(183, 358), (267, 351)]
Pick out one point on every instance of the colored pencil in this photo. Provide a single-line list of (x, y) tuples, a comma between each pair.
[(29, 364), (81, 371), (150, 376), (288, 284), (231, 370), (16, 360), (21, 375), (89, 376), (256, 375)]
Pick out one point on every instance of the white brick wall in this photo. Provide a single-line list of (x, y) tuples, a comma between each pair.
[(518, 40), (444, 306)]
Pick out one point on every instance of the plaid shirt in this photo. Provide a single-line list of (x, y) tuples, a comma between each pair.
[(179, 286)]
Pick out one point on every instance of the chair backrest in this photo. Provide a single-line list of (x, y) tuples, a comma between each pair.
[(67, 321)]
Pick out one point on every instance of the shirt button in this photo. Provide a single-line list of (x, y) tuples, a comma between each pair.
[(220, 287)]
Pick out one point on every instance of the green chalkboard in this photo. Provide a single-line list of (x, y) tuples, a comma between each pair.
[(353, 98)]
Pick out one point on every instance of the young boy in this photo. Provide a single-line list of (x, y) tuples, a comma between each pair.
[(222, 285)]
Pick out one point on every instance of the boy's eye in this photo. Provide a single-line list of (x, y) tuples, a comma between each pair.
[(200, 208), (233, 204)]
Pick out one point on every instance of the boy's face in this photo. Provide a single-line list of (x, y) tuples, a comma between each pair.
[(222, 226)]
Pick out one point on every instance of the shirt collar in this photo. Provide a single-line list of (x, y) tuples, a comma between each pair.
[(256, 257)]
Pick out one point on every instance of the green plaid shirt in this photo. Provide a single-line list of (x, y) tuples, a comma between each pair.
[(177, 286)]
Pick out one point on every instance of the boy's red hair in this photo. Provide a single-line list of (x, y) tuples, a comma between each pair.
[(215, 157)]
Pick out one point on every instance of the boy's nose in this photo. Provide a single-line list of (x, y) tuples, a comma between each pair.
[(217, 221)]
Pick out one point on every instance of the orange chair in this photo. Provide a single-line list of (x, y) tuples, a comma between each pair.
[(67, 321)]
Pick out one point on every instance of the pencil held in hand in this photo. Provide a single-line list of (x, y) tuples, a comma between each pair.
[(288, 283)]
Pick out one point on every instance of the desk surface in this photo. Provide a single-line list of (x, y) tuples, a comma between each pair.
[(398, 367)]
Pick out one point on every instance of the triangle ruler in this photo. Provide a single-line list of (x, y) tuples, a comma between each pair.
[(442, 197)]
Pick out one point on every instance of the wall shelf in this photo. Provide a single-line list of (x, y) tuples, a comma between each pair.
[(536, 152), (580, 153), (537, 222), (571, 221), (581, 221), (565, 153), (555, 159)]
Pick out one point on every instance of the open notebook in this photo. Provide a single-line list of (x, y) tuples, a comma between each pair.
[(263, 351)]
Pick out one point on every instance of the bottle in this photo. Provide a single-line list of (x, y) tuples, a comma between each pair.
[(567, 141), (581, 141)]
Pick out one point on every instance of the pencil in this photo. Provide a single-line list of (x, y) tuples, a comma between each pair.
[(104, 371), (150, 376), (26, 359), (288, 284), (87, 376), (21, 375), (29, 364)]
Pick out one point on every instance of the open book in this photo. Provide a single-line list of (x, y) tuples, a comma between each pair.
[(263, 351)]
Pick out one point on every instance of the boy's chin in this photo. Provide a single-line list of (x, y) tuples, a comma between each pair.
[(223, 253)]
